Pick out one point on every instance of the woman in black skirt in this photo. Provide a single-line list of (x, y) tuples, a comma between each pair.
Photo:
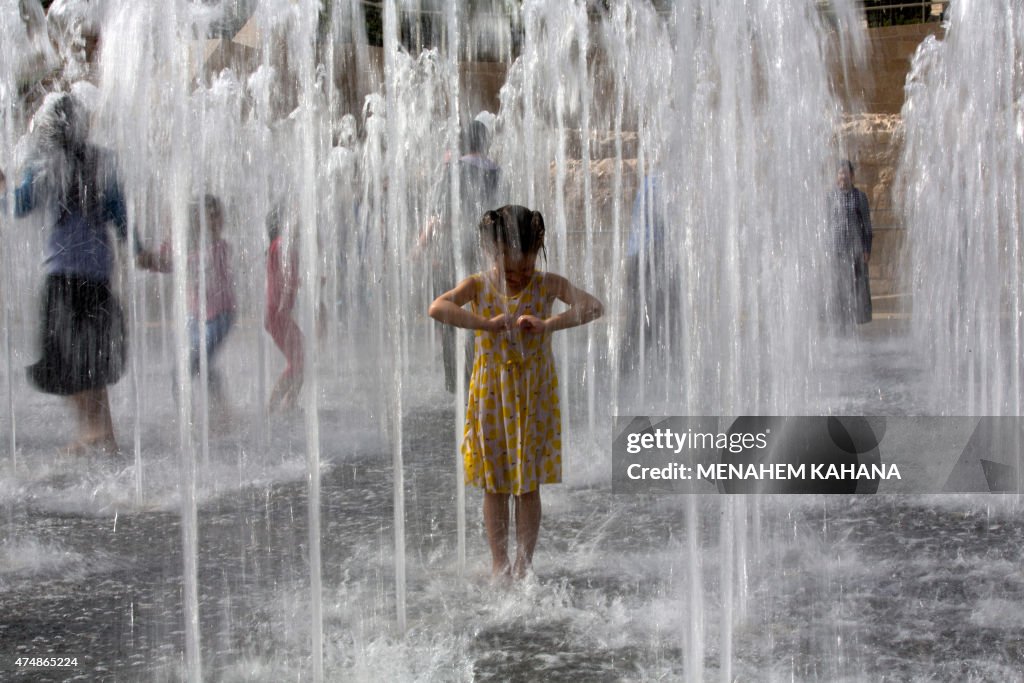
[(83, 342)]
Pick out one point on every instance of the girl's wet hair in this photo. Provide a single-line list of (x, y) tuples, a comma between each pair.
[(207, 203), (60, 124), (512, 227), (75, 170), (213, 202)]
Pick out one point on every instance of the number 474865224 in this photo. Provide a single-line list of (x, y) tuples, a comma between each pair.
[(46, 662)]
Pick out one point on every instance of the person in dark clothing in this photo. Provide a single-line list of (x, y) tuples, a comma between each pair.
[(478, 191), (83, 340), (850, 236)]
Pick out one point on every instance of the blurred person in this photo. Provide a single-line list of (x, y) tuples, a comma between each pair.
[(282, 288), (850, 236), (83, 340), (213, 256), (479, 176)]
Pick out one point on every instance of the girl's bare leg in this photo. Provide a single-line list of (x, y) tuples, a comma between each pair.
[(527, 529), (496, 523), (288, 337), (286, 392), (220, 410), (95, 425)]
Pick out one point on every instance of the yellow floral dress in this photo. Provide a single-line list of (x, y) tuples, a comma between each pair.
[(513, 436)]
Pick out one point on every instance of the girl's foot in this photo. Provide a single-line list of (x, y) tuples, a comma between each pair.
[(501, 574), (521, 569), (290, 400), (284, 397)]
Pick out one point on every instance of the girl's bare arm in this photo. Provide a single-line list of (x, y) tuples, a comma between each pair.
[(448, 309), (583, 306)]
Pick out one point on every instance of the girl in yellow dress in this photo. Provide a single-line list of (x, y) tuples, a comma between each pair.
[(512, 440)]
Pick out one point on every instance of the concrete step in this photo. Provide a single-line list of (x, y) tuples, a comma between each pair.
[(890, 305)]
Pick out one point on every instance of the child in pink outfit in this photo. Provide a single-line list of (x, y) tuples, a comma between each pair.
[(282, 287), (220, 287)]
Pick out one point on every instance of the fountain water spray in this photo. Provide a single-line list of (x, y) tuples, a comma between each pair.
[(729, 104), (964, 207)]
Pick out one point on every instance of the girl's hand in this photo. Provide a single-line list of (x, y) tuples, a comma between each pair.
[(151, 260), (501, 323), (531, 324), (145, 260)]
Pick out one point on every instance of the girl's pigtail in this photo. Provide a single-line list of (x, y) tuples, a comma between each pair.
[(537, 228), (489, 227)]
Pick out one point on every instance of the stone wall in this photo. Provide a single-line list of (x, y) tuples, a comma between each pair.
[(879, 87)]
